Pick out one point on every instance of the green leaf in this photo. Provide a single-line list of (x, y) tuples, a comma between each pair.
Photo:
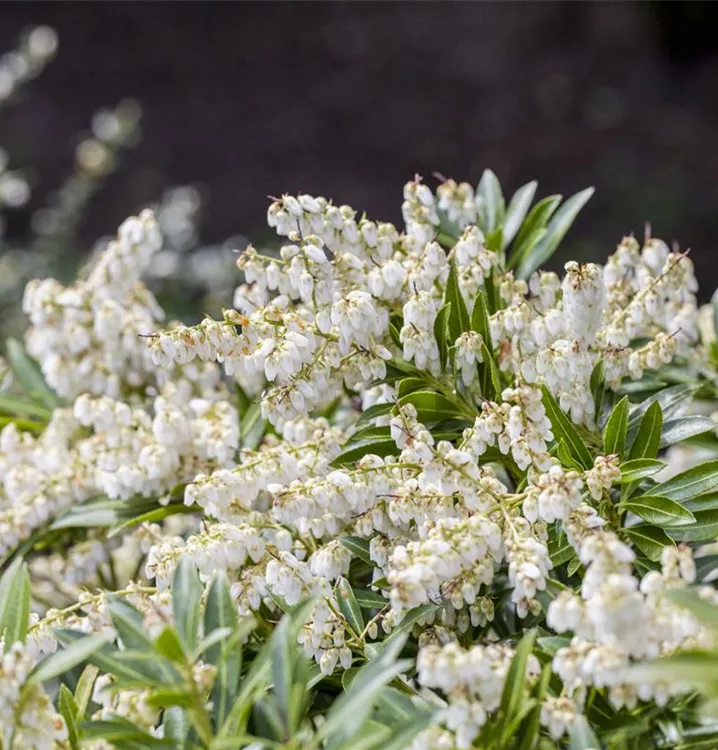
[(533, 724), (176, 724), (83, 689), (458, 314), (516, 212), (349, 606), (491, 382), (258, 675), (705, 528), (552, 643), (533, 229), (431, 406), (380, 448), (216, 637), (358, 547), (491, 202), (64, 660), (442, 334), (410, 619), (169, 645), (153, 516), (14, 602), (409, 385), (598, 386), (649, 539), (560, 551), (581, 735), (101, 511), (566, 457), (370, 599), (122, 734), (29, 375), (186, 596), (563, 429), (283, 659), (480, 318), (645, 444), (556, 229), (378, 410), (699, 480), (127, 621), (15, 406), (614, 433), (68, 709), (659, 511), (352, 708), (640, 468), (515, 684), (682, 428), (672, 401), (220, 612)]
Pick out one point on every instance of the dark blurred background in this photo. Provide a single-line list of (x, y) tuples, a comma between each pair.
[(349, 100)]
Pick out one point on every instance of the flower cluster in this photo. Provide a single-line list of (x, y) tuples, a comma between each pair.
[(410, 429)]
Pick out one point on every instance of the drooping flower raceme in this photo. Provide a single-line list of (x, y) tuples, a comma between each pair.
[(415, 420)]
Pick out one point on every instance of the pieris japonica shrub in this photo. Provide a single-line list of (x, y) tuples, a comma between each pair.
[(410, 491)]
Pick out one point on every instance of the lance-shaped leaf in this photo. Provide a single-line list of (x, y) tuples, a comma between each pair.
[(563, 429)]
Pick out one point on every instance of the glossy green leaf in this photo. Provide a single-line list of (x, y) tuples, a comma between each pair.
[(378, 410), (491, 384), (640, 468), (614, 433), (442, 334), (458, 314), (683, 428), (648, 438), (29, 375), (649, 539), (533, 229), (673, 402), (598, 386), (515, 683), (83, 689), (563, 429), (176, 724), (704, 529), (556, 229), (659, 511), (581, 736), (431, 406), (14, 602), (67, 658), (186, 597), (349, 606), (693, 482), (352, 708), (357, 451), (370, 599), (122, 734), (169, 645), (516, 212), (358, 547), (480, 318), (491, 202), (67, 707), (530, 733)]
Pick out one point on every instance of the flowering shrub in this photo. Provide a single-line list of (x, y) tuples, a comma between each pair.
[(406, 493)]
